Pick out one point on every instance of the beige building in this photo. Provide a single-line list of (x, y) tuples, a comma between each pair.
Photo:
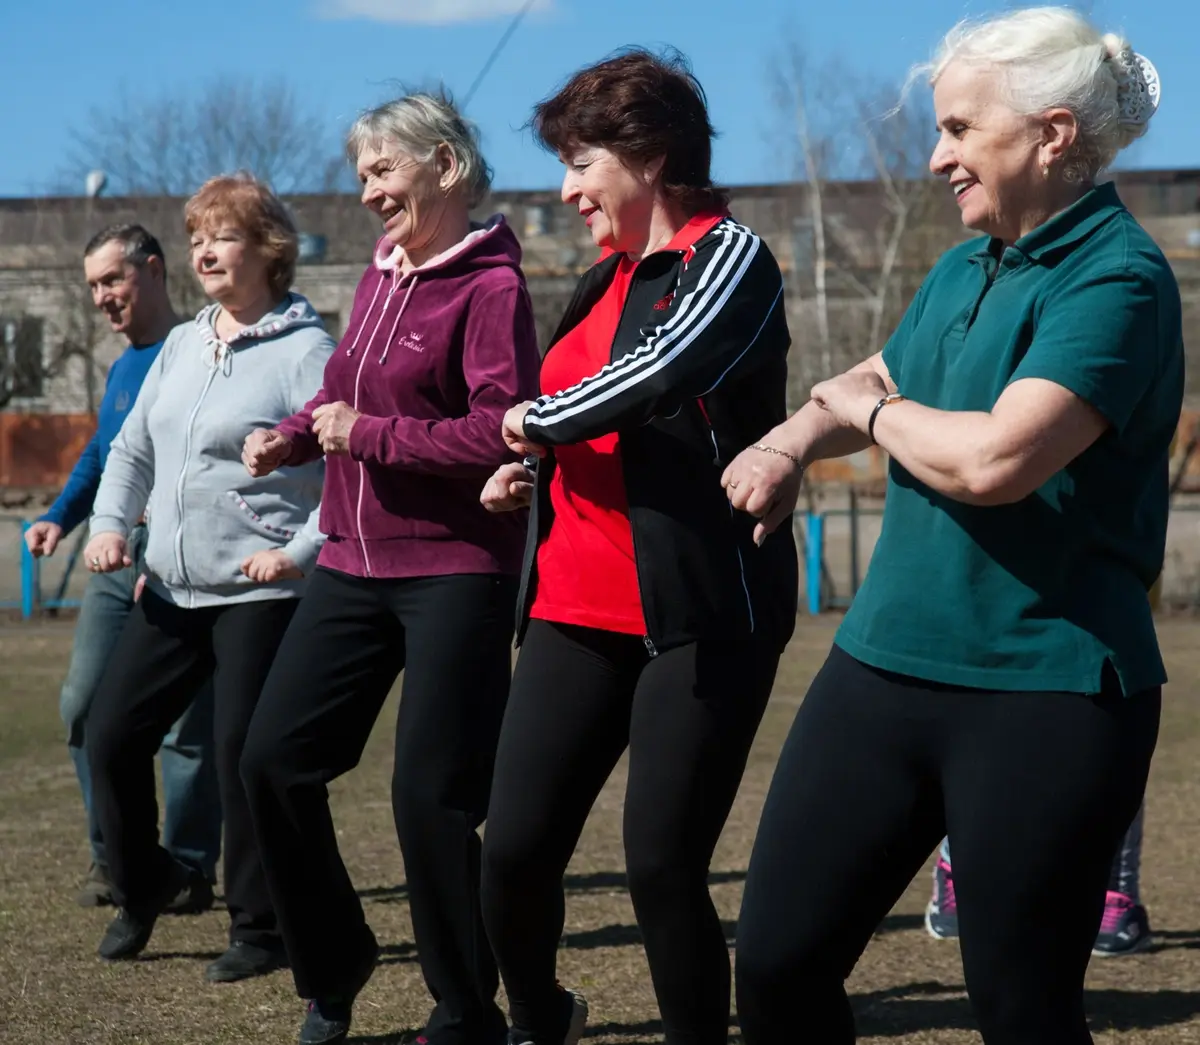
[(57, 352)]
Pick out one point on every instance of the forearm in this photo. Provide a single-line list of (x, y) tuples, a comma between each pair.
[(957, 453), (813, 434)]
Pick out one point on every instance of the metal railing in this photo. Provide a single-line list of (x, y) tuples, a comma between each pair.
[(33, 599)]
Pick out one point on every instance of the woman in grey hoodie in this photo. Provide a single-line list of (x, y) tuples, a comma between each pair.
[(226, 559)]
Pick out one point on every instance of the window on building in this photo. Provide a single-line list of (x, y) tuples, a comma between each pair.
[(23, 361), (333, 323)]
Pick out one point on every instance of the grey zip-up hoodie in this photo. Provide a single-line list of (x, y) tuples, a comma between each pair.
[(178, 458)]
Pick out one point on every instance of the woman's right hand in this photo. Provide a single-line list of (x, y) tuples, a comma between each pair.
[(265, 450), (107, 553), (509, 489)]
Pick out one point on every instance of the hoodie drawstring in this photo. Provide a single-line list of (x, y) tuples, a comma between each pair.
[(363, 325), (403, 305)]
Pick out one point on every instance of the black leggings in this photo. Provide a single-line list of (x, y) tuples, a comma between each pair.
[(351, 637), (688, 716), (1036, 789)]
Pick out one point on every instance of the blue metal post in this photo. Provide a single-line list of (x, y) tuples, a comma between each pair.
[(28, 576), (814, 558)]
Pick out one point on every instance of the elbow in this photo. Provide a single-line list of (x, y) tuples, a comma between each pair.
[(989, 484)]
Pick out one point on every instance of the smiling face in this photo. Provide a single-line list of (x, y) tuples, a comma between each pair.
[(615, 197), (993, 156), (406, 195), (119, 288), (231, 269)]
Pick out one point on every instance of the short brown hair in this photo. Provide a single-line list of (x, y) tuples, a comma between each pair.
[(640, 106), (244, 201)]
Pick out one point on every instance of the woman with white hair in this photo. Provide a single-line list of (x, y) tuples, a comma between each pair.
[(998, 678), (416, 576)]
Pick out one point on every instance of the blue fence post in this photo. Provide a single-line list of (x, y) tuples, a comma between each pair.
[(815, 556), (29, 571)]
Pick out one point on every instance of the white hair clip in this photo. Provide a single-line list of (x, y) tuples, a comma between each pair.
[(1138, 87)]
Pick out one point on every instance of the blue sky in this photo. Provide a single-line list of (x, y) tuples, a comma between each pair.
[(68, 56)]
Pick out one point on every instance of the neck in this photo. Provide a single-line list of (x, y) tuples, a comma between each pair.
[(154, 325), (235, 316), (453, 227), (1061, 196), (667, 218)]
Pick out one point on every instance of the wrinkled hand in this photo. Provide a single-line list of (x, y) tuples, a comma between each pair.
[(264, 450), (42, 538), (513, 432), (270, 565), (509, 489), (850, 397), (331, 425), (107, 553), (763, 485)]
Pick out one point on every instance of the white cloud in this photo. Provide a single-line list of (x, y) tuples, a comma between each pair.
[(424, 12)]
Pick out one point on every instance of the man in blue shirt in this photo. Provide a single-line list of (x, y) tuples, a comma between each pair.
[(126, 272)]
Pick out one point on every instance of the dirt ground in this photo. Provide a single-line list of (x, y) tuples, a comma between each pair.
[(907, 989)]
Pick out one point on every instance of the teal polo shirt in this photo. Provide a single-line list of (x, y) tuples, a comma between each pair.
[(1039, 595)]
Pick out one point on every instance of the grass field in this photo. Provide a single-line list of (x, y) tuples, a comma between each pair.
[(907, 989)]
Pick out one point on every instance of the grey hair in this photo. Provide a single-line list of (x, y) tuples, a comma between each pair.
[(138, 245), (1048, 58), (417, 125)]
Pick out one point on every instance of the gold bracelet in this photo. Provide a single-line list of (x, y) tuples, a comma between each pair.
[(782, 453)]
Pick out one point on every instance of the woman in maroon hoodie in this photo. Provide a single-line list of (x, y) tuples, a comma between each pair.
[(415, 576)]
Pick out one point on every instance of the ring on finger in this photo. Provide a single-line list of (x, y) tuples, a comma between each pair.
[(733, 484), (96, 561)]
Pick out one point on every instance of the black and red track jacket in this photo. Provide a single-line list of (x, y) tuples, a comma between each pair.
[(698, 372)]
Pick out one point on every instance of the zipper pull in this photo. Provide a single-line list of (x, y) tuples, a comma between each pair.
[(649, 642)]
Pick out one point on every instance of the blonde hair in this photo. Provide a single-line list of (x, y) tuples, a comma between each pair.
[(1049, 58), (245, 202), (417, 125)]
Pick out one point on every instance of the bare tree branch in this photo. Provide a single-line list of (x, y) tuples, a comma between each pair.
[(168, 145)]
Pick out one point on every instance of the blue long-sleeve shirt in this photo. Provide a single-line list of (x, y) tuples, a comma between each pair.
[(125, 378)]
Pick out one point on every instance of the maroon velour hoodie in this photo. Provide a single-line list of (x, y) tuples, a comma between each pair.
[(432, 360)]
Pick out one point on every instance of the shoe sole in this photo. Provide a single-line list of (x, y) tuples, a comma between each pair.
[(932, 931), (1144, 944)]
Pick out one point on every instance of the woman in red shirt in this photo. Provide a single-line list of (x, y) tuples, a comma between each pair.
[(650, 618)]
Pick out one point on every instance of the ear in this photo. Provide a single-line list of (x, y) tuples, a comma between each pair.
[(447, 167), (652, 169), (1060, 131), (154, 266)]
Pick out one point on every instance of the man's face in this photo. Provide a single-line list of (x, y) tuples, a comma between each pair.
[(117, 286)]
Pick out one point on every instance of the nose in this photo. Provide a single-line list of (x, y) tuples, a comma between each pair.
[(570, 190), (370, 193), (942, 161), (100, 296)]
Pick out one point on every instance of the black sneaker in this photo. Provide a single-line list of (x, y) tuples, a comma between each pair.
[(1125, 928), (328, 1019), (128, 933), (574, 1019), (96, 890), (194, 897), (244, 961)]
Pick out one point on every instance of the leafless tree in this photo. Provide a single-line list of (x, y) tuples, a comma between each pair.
[(867, 219), (168, 144)]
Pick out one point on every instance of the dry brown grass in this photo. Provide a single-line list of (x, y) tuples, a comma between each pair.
[(908, 988)]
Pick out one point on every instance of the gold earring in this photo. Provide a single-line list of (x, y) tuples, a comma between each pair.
[(1045, 170)]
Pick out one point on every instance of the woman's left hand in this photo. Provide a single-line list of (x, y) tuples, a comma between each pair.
[(850, 397), (514, 432), (331, 425), (270, 565)]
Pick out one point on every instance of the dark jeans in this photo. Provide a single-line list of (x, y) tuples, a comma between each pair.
[(1036, 790), (579, 698), (192, 814), (164, 657), (452, 636)]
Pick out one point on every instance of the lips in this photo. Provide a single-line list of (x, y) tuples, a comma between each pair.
[(963, 187), (587, 216)]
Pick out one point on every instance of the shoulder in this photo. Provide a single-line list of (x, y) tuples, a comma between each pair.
[(1125, 252)]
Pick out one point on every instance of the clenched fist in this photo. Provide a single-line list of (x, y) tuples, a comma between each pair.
[(265, 450), (107, 553), (42, 538), (268, 566), (509, 489)]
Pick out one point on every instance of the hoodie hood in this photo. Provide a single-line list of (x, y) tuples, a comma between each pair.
[(489, 244), (292, 313)]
